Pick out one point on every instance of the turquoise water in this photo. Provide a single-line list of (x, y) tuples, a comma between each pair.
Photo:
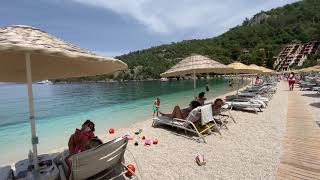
[(60, 108)]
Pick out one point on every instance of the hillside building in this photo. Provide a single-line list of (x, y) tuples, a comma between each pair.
[(294, 55)]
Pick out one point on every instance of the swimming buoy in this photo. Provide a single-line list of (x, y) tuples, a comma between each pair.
[(111, 131), (132, 168)]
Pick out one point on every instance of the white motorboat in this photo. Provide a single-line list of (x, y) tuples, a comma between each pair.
[(45, 82), (164, 79)]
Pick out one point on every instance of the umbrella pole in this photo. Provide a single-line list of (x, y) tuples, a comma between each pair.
[(237, 83), (251, 80), (31, 112), (194, 83)]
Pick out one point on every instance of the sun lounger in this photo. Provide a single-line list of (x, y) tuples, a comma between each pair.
[(316, 89), (6, 173), (102, 162), (185, 124), (244, 105), (207, 118), (258, 99), (224, 114), (308, 86)]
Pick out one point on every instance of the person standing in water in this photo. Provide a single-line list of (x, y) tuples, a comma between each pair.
[(230, 83), (156, 106), (207, 87)]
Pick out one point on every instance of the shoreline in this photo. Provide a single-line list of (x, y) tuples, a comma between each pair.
[(133, 124), (250, 149), (104, 135)]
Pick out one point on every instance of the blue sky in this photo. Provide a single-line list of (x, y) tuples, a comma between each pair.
[(114, 27)]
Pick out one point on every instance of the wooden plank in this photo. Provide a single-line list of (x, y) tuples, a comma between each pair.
[(301, 143)]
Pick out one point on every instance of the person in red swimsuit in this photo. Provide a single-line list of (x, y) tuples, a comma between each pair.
[(78, 140), (291, 81)]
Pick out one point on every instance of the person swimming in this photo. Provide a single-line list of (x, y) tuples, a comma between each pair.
[(207, 87)]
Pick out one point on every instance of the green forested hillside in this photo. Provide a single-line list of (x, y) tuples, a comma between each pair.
[(262, 36)]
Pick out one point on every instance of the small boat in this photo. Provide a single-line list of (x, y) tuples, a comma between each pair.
[(45, 82), (164, 79)]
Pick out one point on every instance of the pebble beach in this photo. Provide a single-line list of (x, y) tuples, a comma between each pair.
[(249, 149)]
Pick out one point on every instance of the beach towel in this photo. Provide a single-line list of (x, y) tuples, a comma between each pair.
[(193, 116), (206, 114)]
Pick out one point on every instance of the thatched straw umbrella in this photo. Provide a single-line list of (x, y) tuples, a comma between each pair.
[(241, 68), (256, 67), (266, 70), (196, 64), (28, 54), (315, 68)]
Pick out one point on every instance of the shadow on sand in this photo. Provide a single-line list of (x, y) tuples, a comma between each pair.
[(317, 104), (180, 132), (312, 95), (250, 111)]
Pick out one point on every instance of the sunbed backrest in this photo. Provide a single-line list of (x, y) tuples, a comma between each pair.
[(91, 162)]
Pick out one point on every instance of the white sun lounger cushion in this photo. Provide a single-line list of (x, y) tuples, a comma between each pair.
[(257, 101), (168, 121), (244, 104)]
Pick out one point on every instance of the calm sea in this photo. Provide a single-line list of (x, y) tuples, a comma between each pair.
[(60, 108)]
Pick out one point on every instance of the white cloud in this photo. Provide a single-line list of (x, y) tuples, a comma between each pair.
[(199, 16)]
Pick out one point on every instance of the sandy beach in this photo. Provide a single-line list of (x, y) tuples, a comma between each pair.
[(250, 149)]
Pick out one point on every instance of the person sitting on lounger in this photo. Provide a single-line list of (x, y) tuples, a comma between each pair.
[(182, 113), (93, 142), (201, 99), (258, 81), (216, 106), (79, 140)]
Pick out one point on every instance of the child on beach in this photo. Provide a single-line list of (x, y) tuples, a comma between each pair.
[(156, 106)]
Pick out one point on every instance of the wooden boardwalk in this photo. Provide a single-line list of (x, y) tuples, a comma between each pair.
[(301, 143)]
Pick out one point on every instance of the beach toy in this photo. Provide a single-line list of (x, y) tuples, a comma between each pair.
[(143, 137), (200, 160), (130, 168), (138, 132), (148, 142), (155, 141), (136, 143), (111, 131)]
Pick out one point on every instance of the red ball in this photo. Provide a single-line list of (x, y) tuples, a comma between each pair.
[(143, 137), (132, 168), (111, 131)]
